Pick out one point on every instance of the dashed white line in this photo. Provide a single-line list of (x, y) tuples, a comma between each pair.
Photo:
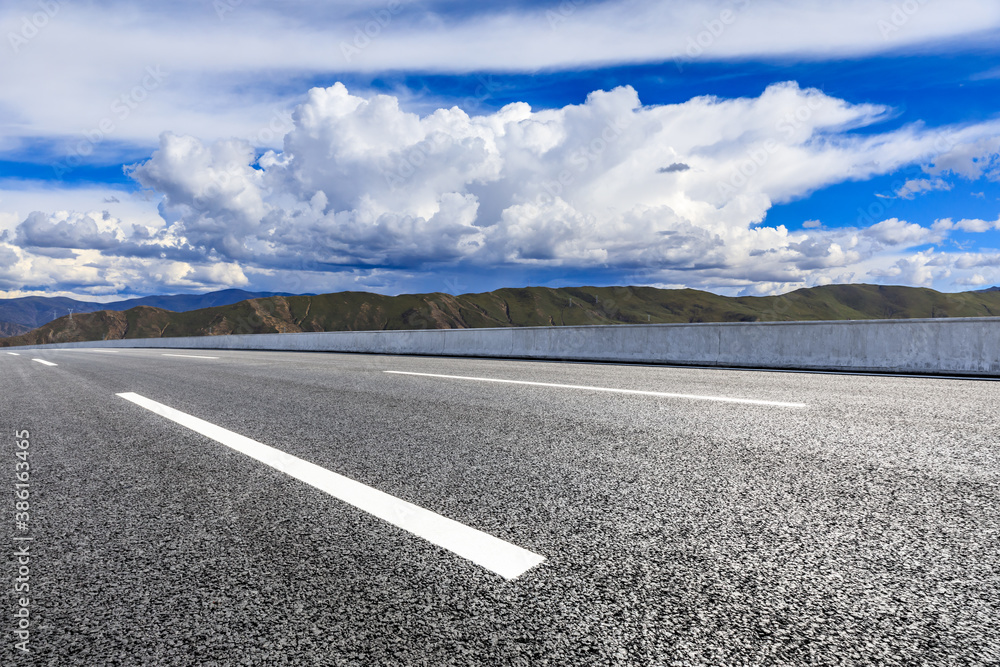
[(14, 354), (47, 363), (188, 356), (503, 558), (659, 394)]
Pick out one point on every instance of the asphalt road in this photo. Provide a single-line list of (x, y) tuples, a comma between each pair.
[(860, 527)]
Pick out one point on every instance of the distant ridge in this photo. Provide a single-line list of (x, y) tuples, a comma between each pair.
[(530, 306), (12, 329), (31, 312)]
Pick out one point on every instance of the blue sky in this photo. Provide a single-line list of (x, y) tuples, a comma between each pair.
[(738, 147)]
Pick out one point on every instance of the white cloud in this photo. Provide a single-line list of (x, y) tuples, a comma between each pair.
[(986, 75), (362, 182), (92, 275), (977, 260), (975, 280), (917, 186), (370, 192), (18, 198), (226, 73), (895, 232), (973, 225), (67, 231), (970, 159), (921, 269), (218, 274)]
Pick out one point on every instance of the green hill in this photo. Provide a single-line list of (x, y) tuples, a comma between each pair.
[(530, 306)]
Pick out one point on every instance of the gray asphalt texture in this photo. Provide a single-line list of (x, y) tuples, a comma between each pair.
[(860, 530)]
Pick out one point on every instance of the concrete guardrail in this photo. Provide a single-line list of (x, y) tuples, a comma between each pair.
[(959, 346)]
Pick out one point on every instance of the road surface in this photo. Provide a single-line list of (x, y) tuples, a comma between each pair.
[(270, 508)]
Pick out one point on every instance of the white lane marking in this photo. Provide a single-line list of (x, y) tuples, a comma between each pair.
[(503, 558), (14, 354), (47, 363), (189, 356), (660, 394)]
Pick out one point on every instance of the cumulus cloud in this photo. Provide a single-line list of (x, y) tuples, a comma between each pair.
[(976, 260), (66, 231), (91, 255), (970, 159), (973, 225), (916, 186), (362, 182), (362, 185), (895, 232), (975, 280), (11, 274), (920, 269)]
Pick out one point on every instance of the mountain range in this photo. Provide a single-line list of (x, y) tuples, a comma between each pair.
[(530, 306), (18, 316)]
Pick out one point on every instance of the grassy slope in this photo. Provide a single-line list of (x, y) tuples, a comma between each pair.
[(533, 306)]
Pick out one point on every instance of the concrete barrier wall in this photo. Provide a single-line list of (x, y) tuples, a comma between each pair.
[(969, 346)]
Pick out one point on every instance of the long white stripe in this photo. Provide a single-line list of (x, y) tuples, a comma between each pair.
[(14, 354), (189, 356), (494, 554), (660, 394), (47, 363)]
